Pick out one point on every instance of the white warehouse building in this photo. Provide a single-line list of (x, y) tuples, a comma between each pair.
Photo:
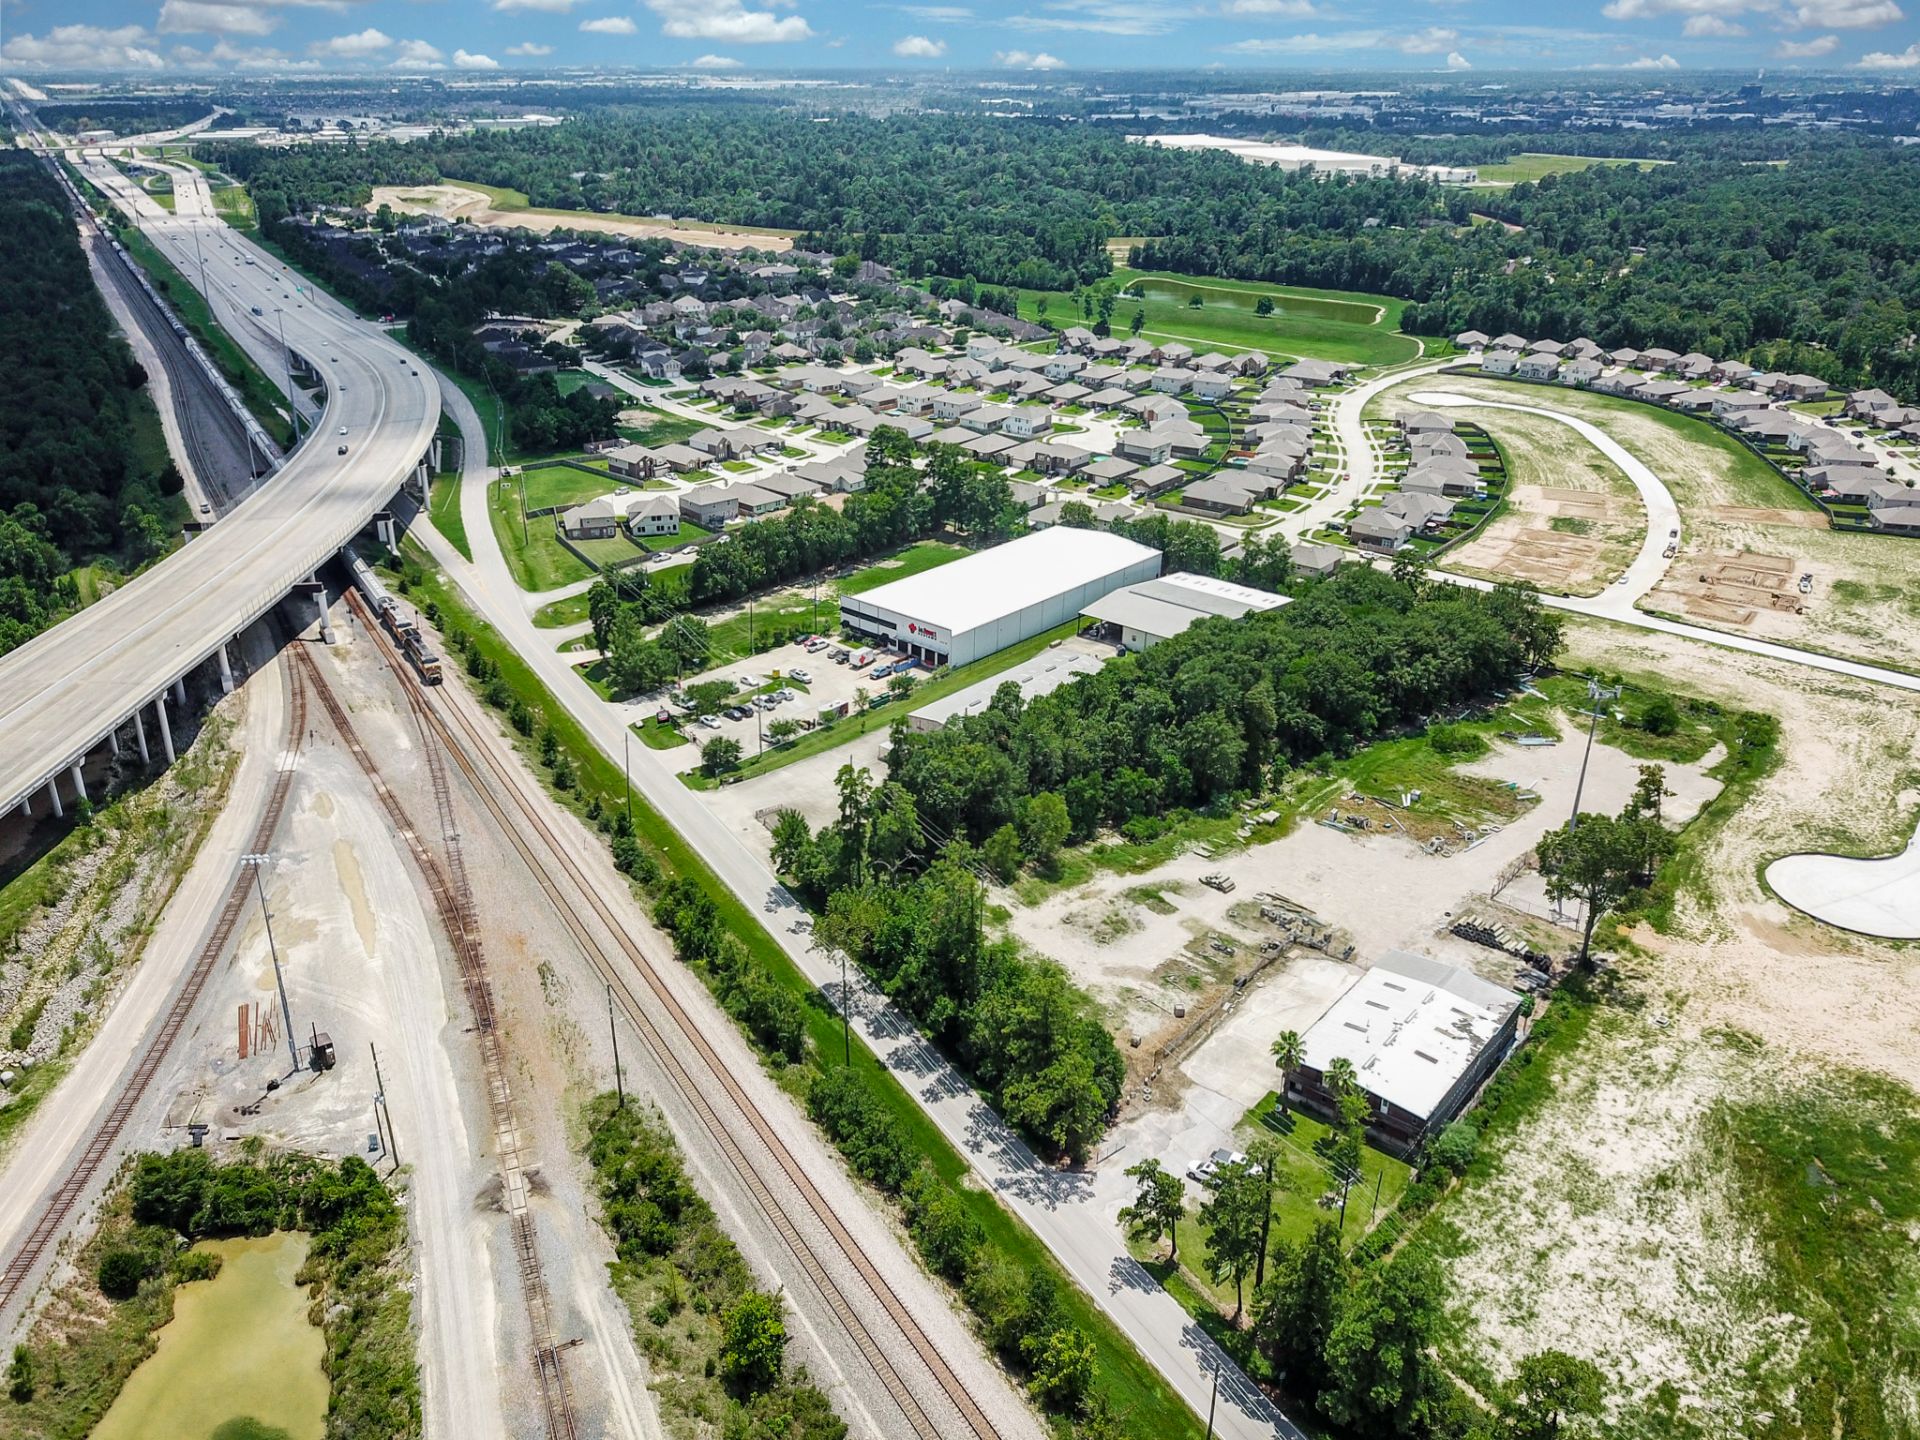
[(959, 612)]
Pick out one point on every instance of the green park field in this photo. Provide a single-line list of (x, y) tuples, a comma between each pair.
[(1325, 324)]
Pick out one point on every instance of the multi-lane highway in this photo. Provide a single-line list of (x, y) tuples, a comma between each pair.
[(66, 691)]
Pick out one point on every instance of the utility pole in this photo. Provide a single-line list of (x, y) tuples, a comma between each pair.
[(254, 862), (1213, 1401), (1597, 693), (619, 1084), (846, 1014), (380, 1102), (626, 768)]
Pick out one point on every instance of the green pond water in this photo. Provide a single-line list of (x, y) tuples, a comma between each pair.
[(1302, 307), (238, 1347)]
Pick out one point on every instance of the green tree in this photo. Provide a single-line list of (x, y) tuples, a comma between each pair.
[(1295, 1310), (792, 839), (688, 641), (1598, 860), (1001, 853), (1263, 306), (1549, 1390), (20, 1376), (1044, 826), (720, 755), (1235, 1215), (1061, 1365), (1159, 1205), (1138, 322), (1381, 1374), (753, 1341), (1264, 1152)]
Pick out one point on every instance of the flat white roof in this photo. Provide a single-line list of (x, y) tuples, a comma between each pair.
[(1006, 579), (1412, 1026), (1043, 674), (1166, 606)]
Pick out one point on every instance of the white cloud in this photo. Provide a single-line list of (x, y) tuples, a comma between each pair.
[(84, 47), (418, 55), (238, 57), (714, 62), (1711, 26), (1434, 40), (545, 7), (1846, 14), (1652, 62), (1457, 61), (528, 48), (352, 47), (1103, 17), (468, 60), (1283, 9), (211, 17), (728, 20), (1807, 49), (1028, 60), (939, 14), (610, 25), (1907, 59), (919, 47)]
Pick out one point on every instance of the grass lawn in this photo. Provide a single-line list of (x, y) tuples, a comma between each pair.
[(927, 555), (443, 509), (556, 614), (1533, 166), (656, 736), (660, 428), (685, 535), (1300, 1178), (1134, 1388), (1326, 324), (534, 554), (546, 485)]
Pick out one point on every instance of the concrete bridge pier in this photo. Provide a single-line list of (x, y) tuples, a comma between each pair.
[(226, 669), (53, 794), (79, 782), (179, 695), (140, 735), (166, 730)]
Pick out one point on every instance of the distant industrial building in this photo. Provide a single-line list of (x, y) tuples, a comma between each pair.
[(1420, 1034), (1144, 614), (999, 597), (1042, 675)]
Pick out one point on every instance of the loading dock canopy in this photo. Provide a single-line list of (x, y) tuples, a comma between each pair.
[(1162, 608)]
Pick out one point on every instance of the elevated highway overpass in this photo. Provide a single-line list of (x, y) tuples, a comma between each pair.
[(76, 686)]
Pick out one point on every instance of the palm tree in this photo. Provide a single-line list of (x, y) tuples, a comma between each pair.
[(1288, 1054), (1342, 1078)]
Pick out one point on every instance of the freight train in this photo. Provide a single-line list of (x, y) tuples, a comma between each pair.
[(401, 622)]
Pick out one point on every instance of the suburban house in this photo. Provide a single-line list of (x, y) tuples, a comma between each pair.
[(1317, 562), (708, 506), (595, 520), (949, 407), (1425, 422), (653, 515), (1421, 511), (1144, 447), (1108, 471), (1499, 362), (1376, 530), (1472, 340), (1026, 421), (1154, 480), (1579, 372), (1212, 387), (1537, 366), (1224, 494), (1172, 380), (1316, 374)]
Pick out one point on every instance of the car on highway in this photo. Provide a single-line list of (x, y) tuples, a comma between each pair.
[(343, 449), (343, 429)]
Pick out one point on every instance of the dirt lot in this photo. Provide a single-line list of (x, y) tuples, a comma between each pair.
[(1140, 943), (1863, 598), (456, 202), (1618, 1195)]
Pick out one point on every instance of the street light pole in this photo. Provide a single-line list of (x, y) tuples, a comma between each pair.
[(1213, 1401), (286, 362), (254, 862), (1596, 692)]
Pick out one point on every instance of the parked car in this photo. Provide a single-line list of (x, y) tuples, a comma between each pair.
[(712, 722), (785, 693), (805, 677), (880, 672), (738, 712), (1201, 1170)]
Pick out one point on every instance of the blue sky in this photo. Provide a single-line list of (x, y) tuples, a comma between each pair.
[(1875, 38)]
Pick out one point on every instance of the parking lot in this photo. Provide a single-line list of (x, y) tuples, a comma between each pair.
[(815, 681)]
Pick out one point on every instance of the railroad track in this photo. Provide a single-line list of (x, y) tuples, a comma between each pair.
[(453, 900), (651, 1009), (93, 1156)]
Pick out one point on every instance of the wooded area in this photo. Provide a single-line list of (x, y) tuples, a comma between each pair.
[(77, 478)]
